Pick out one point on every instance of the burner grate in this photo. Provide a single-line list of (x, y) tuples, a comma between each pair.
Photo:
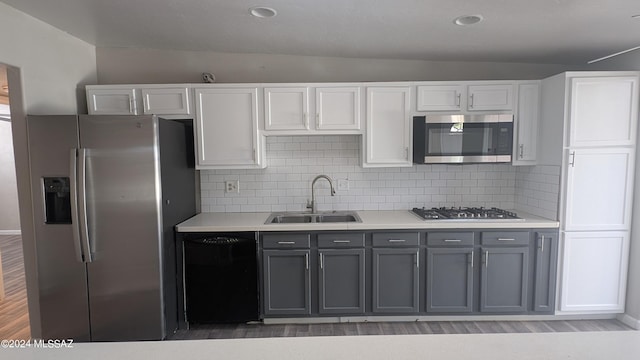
[(464, 213)]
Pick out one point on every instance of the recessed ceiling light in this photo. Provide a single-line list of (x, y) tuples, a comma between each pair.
[(262, 12), (468, 20)]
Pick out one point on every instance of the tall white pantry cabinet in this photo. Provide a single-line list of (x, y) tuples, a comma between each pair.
[(588, 128)]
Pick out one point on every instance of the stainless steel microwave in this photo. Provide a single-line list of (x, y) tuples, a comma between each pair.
[(458, 139)]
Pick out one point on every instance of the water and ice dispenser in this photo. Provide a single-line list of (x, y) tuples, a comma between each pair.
[(57, 200)]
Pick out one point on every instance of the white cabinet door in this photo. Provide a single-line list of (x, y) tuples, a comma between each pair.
[(599, 189), (490, 97), (465, 97), (337, 108), (166, 101), (526, 125), (440, 97), (120, 101), (227, 128), (388, 131), (594, 271), (604, 111), (286, 108)]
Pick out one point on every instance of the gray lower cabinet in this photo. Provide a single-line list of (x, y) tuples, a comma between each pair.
[(450, 280), (343, 273), (395, 280), (503, 279), (546, 255), (287, 282), (341, 287)]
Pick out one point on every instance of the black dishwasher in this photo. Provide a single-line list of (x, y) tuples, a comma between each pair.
[(221, 277)]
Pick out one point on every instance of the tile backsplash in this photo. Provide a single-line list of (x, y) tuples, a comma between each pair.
[(293, 162), (537, 189)]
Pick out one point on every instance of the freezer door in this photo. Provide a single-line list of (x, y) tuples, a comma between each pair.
[(124, 221), (62, 279)]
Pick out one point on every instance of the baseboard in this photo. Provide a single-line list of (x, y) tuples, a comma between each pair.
[(407, 318), (629, 321), (10, 232)]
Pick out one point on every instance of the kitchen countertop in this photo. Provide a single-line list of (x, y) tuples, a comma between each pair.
[(371, 220)]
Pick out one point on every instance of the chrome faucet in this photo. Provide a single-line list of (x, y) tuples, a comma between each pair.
[(312, 204)]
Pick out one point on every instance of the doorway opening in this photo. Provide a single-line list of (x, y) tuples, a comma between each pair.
[(14, 313)]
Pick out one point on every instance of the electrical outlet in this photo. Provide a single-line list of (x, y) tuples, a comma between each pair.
[(232, 186), (343, 184)]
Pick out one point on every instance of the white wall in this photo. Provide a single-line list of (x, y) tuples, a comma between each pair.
[(630, 61), (127, 66), (47, 67), (54, 64), (9, 218)]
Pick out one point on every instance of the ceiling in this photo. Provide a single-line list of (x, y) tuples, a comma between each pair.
[(543, 31)]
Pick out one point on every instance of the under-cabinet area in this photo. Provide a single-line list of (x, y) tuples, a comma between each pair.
[(358, 274)]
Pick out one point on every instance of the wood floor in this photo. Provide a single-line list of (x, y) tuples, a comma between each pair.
[(14, 315), (231, 331)]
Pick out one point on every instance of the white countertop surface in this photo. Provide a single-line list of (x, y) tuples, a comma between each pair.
[(371, 220)]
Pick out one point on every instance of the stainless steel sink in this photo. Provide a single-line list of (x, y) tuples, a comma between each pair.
[(289, 219), (321, 217), (337, 218)]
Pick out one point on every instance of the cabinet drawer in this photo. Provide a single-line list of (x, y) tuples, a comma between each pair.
[(505, 238), (396, 239), (450, 239), (341, 240), (286, 241)]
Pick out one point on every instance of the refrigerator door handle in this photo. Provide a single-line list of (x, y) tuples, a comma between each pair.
[(85, 242), (73, 183)]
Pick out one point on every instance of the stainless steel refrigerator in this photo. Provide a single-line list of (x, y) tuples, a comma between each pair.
[(108, 191)]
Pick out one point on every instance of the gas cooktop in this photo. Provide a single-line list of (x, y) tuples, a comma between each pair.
[(464, 213)]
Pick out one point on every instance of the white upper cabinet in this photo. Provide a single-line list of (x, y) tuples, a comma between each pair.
[(311, 109), (526, 124), (338, 108), (104, 100), (440, 97), (286, 108), (490, 97), (166, 101), (465, 97), (603, 112), (227, 128), (599, 186), (388, 128), (139, 99)]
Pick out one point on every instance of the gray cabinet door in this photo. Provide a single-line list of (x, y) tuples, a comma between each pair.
[(395, 280), (341, 281), (287, 282), (545, 272), (450, 279), (503, 280)]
